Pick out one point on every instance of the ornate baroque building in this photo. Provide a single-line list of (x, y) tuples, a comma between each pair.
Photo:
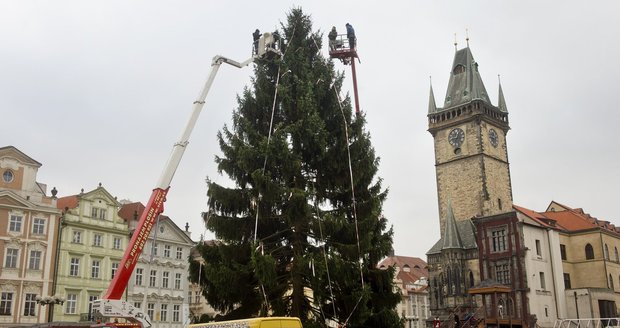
[(159, 284), (93, 239), (29, 224)]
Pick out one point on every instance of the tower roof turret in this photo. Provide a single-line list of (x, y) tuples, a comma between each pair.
[(452, 238), (465, 82), (432, 107), (501, 102)]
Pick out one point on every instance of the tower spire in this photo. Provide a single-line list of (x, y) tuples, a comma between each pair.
[(465, 82), (432, 107), (501, 102), (451, 237)]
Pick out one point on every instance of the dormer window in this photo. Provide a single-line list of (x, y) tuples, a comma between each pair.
[(458, 69)]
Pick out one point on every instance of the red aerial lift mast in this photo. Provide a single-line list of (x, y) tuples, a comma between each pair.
[(345, 49)]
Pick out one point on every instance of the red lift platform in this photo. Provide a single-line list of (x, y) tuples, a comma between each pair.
[(341, 48)]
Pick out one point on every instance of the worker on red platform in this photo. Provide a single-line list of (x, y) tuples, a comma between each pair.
[(351, 35), (332, 38)]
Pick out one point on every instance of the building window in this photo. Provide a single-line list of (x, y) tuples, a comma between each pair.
[(150, 310), (153, 278), (139, 272), (167, 250), (606, 252), (502, 274), (176, 310), (611, 282), (179, 253), (138, 305), (71, 304), (97, 240), (11, 258), (189, 297), (538, 252), (15, 223), (94, 273), (7, 176), (543, 285), (117, 243), (114, 268), (91, 299), (35, 260), (74, 267), (164, 313), (98, 213), (177, 281), (589, 252), (197, 299), (38, 226), (616, 254), (498, 240), (29, 305), (567, 281), (164, 279), (6, 303), (154, 249), (77, 237), (563, 252)]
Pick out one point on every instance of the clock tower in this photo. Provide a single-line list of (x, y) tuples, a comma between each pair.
[(471, 157)]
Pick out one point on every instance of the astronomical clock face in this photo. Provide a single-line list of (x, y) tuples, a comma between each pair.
[(456, 137), (493, 138)]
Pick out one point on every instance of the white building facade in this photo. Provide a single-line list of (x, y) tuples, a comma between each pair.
[(159, 284)]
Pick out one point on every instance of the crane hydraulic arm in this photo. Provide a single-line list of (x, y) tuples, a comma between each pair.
[(111, 305), (155, 205)]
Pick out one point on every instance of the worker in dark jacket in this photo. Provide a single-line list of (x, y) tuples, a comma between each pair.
[(256, 36), (350, 35), (332, 38)]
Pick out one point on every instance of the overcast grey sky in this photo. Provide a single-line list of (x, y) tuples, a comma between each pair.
[(98, 91)]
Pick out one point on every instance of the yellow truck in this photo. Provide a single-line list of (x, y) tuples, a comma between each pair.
[(271, 322)]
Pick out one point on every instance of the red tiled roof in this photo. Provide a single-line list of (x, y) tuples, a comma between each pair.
[(570, 219), (68, 202), (537, 217), (417, 267), (127, 211)]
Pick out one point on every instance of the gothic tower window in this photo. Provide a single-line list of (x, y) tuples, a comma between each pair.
[(457, 281), (471, 279), (611, 282), (589, 252)]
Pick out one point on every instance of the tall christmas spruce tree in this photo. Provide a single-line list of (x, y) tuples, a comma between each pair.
[(291, 239)]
